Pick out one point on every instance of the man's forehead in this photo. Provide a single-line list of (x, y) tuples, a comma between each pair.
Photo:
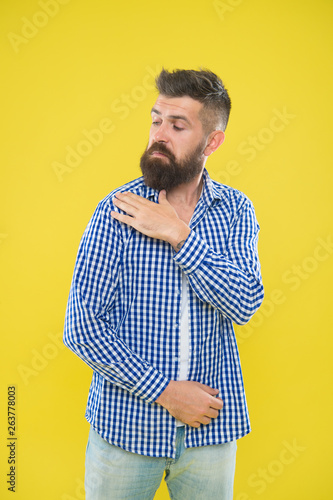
[(177, 106)]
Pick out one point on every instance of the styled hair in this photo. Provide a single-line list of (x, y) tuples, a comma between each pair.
[(203, 86)]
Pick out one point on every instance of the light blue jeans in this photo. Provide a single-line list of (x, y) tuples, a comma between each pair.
[(195, 473)]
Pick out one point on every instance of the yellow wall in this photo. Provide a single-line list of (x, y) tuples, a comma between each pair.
[(70, 67)]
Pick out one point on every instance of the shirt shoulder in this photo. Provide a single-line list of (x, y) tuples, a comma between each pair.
[(102, 220), (230, 198), (136, 186)]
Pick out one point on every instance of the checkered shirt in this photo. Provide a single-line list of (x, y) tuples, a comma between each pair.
[(123, 318)]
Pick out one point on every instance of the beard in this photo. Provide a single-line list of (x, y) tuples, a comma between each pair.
[(167, 173)]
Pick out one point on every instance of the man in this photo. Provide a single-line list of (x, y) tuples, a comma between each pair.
[(167, 263)]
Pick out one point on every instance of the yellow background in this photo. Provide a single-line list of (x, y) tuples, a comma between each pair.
[(85, 64)]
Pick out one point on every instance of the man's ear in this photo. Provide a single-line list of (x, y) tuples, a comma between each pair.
[(214, 141)]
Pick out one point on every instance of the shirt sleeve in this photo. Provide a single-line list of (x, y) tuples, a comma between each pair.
[(231, 282), (91, 297)]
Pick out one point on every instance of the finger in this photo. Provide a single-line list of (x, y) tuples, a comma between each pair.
[(195, 424), (212, 413), (216, 403), (162, 198), (133, 199), (205, 420), (122, 200), (209, 390), (126, 207), (126, 219)]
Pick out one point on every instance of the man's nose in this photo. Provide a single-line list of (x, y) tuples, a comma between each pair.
[(161, 135)]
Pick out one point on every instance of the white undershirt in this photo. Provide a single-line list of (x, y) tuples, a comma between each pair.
[(184, 335)]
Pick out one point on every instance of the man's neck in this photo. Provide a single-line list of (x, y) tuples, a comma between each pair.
[(186, 195)]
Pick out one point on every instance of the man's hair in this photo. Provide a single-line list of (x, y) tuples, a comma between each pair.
[(203, 86)]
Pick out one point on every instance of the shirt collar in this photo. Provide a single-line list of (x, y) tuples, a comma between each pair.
[(209, 192)]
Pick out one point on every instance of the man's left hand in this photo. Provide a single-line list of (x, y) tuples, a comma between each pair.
[(158, 221)]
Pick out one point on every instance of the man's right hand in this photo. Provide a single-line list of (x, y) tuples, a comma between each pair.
[(193, 403)]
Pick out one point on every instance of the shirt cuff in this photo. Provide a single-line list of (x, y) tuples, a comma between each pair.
[(191, 253), (151, 386)]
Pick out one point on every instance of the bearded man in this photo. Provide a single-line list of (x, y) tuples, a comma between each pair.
[(166, 265)]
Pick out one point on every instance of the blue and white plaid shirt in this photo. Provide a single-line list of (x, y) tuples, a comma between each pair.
[(123, 318)]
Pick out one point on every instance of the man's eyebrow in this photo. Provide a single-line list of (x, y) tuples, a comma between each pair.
[(174, 117)]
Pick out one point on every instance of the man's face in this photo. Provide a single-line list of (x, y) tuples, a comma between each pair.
[(174, 154)]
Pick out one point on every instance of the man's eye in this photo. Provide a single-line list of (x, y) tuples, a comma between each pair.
[(177, 128), (156, 123)]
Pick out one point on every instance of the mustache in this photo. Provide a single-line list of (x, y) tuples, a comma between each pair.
[(160, 148)]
